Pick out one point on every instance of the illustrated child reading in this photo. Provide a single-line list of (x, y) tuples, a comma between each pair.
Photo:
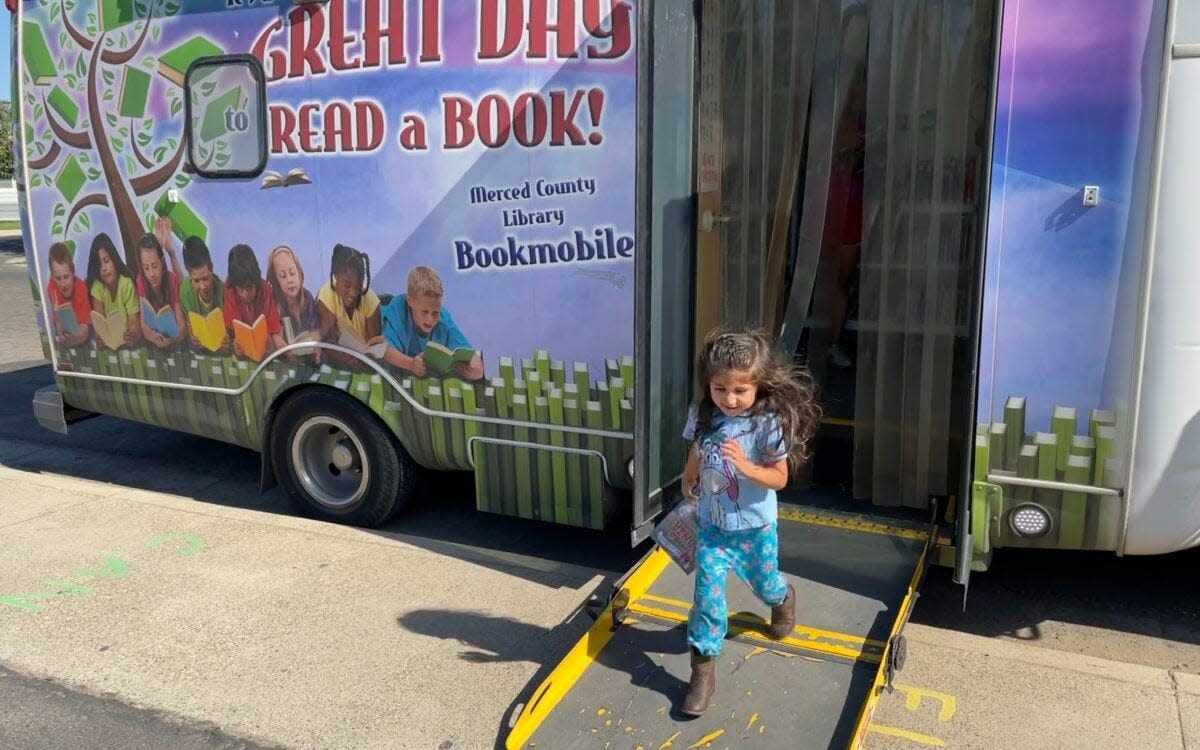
[(163, 324), (202, 297), (115, 314), (422, 336), (250, 312), (68, 295), (348, 309), (296, 305)]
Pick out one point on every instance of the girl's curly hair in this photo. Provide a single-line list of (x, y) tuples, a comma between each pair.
[(784, 390)]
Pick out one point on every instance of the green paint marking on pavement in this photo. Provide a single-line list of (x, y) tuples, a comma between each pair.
[(191, 543), (113, 567)]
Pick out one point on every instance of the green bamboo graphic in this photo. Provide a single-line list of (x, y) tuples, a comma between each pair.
[(458, 440), (524, 464), (627, 369), (437, 427), (541, 359), (545, 476), (1074, 504), (503, 395), (534, 383), (616, 391), (163, 415), (1047, 447), (575, 462), (112, 366), (581, 377), (137, 362), (470, 429), (1027, 468), (486, 470), (997, 444), (982, 456), (1106, 446), (508, 370), (1098, 418), (1014, 420), (1063, 425), (558, 373), (594, 417)]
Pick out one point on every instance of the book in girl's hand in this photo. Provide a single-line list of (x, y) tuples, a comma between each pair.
[(676, 534), (376, 347)]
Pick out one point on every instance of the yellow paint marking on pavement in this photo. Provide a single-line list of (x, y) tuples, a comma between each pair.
[(753, 718), (914, 696), (670, 742)]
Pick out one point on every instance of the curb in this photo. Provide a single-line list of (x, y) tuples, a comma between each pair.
[(1038, 656)]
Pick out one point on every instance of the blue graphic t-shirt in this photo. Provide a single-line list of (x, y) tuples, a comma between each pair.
[(728, 500)]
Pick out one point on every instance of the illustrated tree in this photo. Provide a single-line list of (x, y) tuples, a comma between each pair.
[(94, 133)]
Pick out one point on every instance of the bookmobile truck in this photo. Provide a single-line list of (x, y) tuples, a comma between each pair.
[(957, 212)]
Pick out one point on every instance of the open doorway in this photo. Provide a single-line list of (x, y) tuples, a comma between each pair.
[(841, 150)]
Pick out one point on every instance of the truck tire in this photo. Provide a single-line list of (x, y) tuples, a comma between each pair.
[(337, 462)]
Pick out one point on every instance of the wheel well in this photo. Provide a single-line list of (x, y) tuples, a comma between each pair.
[(267, 478)]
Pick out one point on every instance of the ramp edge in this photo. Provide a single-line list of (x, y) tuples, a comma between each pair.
[(555, 687)]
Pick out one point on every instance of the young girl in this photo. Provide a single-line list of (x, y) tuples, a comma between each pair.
[(111, 288), (297, 308), (158, 288), (247, 299), (753, 421), (346, 303)]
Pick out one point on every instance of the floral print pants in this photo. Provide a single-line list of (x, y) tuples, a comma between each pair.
[(754, 555)]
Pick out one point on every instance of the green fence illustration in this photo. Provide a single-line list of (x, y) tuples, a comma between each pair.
[(1074, 451), (523, 467)]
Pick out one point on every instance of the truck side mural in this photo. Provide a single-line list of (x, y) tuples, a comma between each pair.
[(1052, 376), (447, 208)]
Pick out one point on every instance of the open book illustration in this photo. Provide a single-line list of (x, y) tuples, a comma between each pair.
[(440, 359), (296, 176), (162, 320), (252, 338), (110, 329), (210, 329), (291, 337), (375, 347), (68, 322)]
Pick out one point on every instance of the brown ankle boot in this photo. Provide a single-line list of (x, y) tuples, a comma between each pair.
[(783, 616), (702, 685)]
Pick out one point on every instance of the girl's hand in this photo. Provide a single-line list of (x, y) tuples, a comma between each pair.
[(733, 453)]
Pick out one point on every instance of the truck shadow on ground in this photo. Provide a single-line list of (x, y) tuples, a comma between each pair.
[(442, 520)]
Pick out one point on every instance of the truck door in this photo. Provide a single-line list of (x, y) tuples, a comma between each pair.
[(666, 222)]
